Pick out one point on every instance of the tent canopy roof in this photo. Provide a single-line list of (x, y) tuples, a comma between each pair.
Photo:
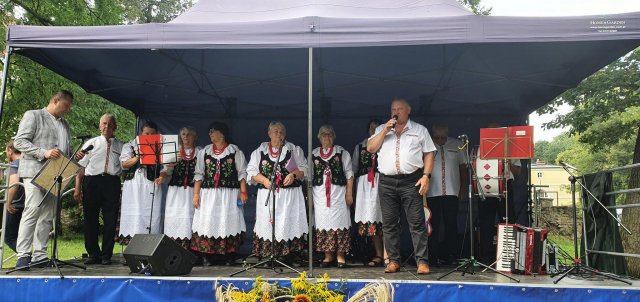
[(246, 62)]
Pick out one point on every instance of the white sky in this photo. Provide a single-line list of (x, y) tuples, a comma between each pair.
[(557, 8)]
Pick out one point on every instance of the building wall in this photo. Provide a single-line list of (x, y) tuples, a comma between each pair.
[(557, 179)]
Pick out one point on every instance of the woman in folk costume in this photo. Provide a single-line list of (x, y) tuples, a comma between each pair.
[(141, 191), (290, 213), (178, 211), (220, 182), (368, 216), (332, 197)]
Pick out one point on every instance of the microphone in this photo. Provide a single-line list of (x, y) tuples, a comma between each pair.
[(395, 117), (562, 163), (463, 137), (87, 149), (83, 137)]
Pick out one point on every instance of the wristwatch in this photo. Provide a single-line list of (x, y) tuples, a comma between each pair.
[(428, 175)]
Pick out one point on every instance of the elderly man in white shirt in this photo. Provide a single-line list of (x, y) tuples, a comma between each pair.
[(449, 184), (405, 160), (98, 189)]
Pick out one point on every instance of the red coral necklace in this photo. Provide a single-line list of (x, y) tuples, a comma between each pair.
[(325, 155), (186, 156), (272, 153), (217, 151)]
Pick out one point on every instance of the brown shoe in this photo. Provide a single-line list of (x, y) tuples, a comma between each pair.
[(392, 267), (423, 268)]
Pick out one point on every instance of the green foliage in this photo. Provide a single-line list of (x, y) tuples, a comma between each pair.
[(605, 105), (29, 85), (548, 151), (475, 7)]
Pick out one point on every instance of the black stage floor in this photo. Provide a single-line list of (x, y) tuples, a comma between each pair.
[(353, 272)]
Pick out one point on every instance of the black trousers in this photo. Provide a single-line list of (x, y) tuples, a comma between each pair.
[(13, 225), (398, 193), (487, 211), (444, 220), (100, 193)]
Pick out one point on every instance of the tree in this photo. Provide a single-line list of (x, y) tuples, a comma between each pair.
[(475, 7), (548, 151), (606, 113), (30, 85)]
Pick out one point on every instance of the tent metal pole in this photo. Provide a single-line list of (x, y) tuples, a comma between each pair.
[(5, 74), (310, 161), (3, 89)]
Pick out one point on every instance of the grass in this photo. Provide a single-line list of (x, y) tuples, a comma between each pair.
[(566, 244), (70, 246)]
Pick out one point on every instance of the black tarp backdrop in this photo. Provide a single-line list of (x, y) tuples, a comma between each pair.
[(602, 231)]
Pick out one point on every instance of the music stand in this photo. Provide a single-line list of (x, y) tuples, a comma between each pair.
[(271, 198), (468, 266), (155, 149), (57, 172), (506, 143)]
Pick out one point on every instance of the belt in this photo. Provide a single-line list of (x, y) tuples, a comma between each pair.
[(103, 175), (403, 176)]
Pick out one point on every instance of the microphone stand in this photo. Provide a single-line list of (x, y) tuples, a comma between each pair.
[(271, 197), (578, 268), (468, 266), (53, 261)]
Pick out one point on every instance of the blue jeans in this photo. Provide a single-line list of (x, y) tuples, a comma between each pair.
[(399, 192)]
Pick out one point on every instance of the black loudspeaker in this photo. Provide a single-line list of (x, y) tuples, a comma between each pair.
[(157, 254)]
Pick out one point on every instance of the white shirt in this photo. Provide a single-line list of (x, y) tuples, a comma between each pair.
[(449, 157), (346, 159), (404, 155), (240, 161), (515, 162), (63, 143), (103, 158), (253, 168)]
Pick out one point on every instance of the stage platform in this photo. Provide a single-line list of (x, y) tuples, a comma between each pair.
[(115, 283)]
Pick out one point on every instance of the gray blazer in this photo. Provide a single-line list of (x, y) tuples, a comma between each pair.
[(37, 134)]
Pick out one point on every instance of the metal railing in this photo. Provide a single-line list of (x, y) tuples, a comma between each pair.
[(624, 206)]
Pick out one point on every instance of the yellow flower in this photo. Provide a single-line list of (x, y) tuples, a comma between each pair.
[(301, 298)]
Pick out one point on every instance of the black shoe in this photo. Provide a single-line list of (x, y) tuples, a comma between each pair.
[(23, 263), (91, 260), (106, 261), (325, 264), (199, 261), (42, 263), (124, 262), (342, 264)]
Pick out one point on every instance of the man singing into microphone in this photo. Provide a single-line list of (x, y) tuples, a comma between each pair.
[(98, 188), (43, 134), (405, 160)]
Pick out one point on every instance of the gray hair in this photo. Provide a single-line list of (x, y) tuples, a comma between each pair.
[(401, 100), (326, 129), (109, 116), (277, 124), (189, 129)]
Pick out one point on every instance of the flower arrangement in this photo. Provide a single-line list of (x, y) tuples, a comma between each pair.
[(302, 289)]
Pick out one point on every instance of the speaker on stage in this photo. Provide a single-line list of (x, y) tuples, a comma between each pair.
[(157, 254)]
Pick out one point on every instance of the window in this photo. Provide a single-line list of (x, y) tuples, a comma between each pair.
[(539, 174)]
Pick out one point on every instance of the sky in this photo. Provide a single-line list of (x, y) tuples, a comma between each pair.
[(557, 8)]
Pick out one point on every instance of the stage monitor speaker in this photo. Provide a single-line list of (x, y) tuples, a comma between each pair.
[(158, 255)]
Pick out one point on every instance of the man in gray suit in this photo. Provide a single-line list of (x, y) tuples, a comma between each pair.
[(43, 134)]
